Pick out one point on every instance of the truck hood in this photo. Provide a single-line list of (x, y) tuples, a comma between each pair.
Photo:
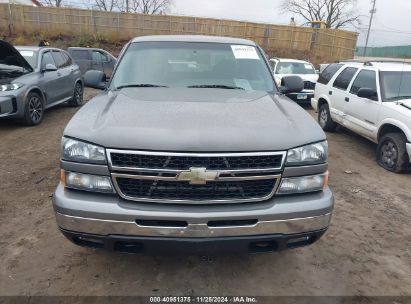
[(201, 120)]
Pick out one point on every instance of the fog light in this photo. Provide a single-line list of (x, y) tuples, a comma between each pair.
[(303, 184), (86, 182)]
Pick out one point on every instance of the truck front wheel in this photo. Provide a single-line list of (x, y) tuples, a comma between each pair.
[(392, 152), (324, 118)]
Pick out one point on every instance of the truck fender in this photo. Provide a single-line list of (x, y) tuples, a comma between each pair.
[(396, 123)]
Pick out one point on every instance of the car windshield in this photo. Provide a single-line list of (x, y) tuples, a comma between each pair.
[(289, 68), (30, 56), (193, 65), (396, 85)]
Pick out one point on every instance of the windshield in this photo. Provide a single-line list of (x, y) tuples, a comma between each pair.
[(396, 85), (193, 65), (288, 68), (30, 56)]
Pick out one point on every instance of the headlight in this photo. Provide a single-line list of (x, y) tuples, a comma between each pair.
[(78, 151), (10, 87), (303, 184), (308, 155), (86, 182)]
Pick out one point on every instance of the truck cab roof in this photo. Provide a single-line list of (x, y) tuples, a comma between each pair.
[(193, 38)]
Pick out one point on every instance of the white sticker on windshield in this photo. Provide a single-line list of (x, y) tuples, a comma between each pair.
[(308, 66), (244, 52), (27, 53)]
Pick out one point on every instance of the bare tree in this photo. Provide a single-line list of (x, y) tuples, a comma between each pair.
[(145, 6), (154, 6), (55, 3), (106, 5), (335, 13)]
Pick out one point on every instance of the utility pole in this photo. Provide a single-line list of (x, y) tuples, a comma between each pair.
[(10, 19), (127, 7), (369, 27)]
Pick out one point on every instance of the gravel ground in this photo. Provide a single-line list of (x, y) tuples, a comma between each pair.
[(365, 252)]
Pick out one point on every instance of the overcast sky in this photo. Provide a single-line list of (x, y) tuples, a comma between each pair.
[(392, 25)]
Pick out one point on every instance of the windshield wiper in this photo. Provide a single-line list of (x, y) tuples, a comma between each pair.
[(215, 86), (140, 85)]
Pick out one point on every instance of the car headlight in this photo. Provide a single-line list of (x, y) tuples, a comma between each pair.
[(308, 155), (78, 151), (86, 182), (303, 184), (10, 87)]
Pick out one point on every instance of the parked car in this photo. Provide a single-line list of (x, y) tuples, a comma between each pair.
[(33, 79), (373, 99), (284, 67), (191, 146), (93, 59)]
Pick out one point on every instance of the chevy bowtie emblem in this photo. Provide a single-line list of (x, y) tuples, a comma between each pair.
[(197, 176)]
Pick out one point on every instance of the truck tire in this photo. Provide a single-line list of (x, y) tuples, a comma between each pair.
[(324, 118), (34, 110), (392, 153), (77, 99)]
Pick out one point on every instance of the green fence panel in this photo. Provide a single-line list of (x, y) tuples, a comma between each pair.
[(403, 51)]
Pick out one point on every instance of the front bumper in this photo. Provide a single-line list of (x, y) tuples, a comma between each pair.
[(8, 106), (208, 246), (82, 215), (314, 104), (301, 97), (12, 103), (203, 230), (408, 145)]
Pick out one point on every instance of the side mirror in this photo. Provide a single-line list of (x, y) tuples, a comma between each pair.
[(367, 93), (291, 84), (95, 79), (50, 68)]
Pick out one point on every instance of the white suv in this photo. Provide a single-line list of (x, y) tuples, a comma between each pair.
[(285, 67), (372, 99)]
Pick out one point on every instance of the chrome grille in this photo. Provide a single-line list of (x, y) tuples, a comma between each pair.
[(308, 85), (176, 162), (197, 178), (222, 190)]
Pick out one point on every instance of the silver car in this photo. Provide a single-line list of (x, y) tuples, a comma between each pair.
[(33, 79)]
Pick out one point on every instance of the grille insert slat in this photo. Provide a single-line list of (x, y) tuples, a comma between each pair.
[(186, 162), (308, 85), (184, 191)]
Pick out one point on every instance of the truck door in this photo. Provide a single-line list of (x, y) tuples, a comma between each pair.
[(82, 59), (97, 60), (362, 113), (338, 93)]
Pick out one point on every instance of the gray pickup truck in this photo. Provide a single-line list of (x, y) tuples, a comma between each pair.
[(192, 147)]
